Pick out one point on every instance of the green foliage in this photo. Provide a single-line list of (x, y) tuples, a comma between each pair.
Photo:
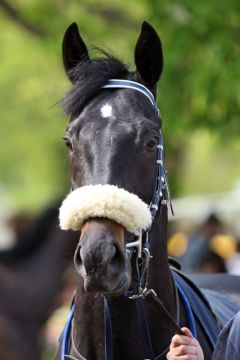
[(202, 59), (200, 86), (214, 171)]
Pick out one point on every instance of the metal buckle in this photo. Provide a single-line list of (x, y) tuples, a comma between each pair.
[(144, 293), (136, 244)]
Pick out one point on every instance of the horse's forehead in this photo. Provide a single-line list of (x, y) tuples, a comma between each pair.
[(116, 105), (119, 110)]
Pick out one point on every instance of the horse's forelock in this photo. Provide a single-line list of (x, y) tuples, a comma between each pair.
[(90, 76)]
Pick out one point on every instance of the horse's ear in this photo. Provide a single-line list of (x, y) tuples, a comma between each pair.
[(74, 49), (148, 55)]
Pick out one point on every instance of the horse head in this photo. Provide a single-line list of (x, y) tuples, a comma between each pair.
[(112, 136)]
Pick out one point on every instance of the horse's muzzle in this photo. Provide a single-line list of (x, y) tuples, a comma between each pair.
[(100, 257)]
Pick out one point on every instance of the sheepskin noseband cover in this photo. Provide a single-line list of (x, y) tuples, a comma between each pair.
[(107, 201)]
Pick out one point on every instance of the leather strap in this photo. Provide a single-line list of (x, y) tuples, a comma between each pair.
[(148, 350), (166, 317), (107, 331)]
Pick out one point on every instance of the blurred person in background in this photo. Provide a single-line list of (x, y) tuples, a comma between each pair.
[(209, 249), (212, 263), (18, 226), (198, 244), (12, 226), (29, 233), (233, 262)]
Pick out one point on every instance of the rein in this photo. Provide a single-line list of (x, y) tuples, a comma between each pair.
[(141, 246)]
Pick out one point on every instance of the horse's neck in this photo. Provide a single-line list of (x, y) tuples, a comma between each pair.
[(88, 318)]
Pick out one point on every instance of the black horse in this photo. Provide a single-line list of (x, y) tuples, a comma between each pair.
[(31, 279), (113, 137)]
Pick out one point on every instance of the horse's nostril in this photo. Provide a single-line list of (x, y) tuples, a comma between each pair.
[(112, 250), (78, 258), (116, 261)]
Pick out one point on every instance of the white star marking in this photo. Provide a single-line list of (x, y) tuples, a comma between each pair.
[(106, 110)]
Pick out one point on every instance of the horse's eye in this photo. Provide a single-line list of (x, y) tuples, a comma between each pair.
[(68, 142), (152, 143)]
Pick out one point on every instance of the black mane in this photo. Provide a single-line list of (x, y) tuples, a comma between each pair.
[(90, 76)]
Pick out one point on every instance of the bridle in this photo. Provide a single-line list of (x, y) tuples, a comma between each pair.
[(141, 248)]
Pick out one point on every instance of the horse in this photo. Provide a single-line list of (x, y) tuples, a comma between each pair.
[(31, 279), (127, 304)]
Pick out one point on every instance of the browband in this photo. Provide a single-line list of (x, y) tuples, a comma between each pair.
[(129, 84)]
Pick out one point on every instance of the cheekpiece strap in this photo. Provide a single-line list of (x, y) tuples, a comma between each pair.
[(129, 84), (161, 181)]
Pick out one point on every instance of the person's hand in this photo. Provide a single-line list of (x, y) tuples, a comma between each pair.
[(185, 347)]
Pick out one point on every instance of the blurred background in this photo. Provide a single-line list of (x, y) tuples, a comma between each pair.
[(199, 98)]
